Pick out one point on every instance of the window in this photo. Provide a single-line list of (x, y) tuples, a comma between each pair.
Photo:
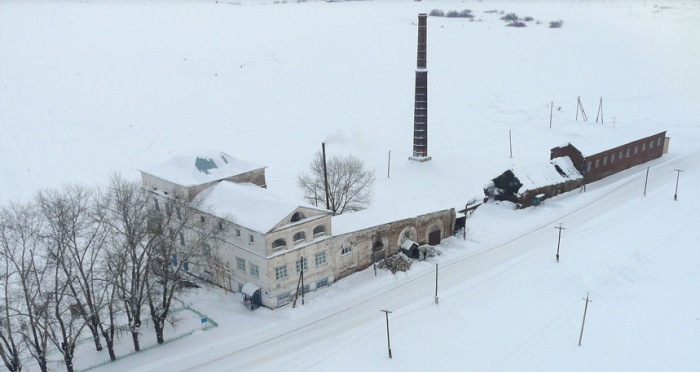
[(597, 162), (240, 264), (168, 210), (206, 249), (177, 212), (254, 270), (651, 145), (644, 146), (588, 166), (284, 298), (221, 225), (322, 283), (238, 233), (201, 219), (620, 155), (182, 238), (156, 204), (251, 240), (605, 161), (300, 236), (658, 142), (280, 272), (320, 229), (279, 243), (636, 149), (320, 258), (307, 289), (297, 216), (612, 158), (174, 259), (302, 263), (346, 250), (628, 152)]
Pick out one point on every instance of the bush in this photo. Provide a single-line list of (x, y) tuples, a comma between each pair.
[(466, 13), (436, 13), (516, 24), (556, 24), (510, 17), (491, 11), (395, 263), (528, 19), (453, 14)]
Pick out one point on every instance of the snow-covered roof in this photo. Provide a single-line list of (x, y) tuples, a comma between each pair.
[(248, 205), (605, 141), (544, 174), (200, 167), (375, 216), (249, 289)]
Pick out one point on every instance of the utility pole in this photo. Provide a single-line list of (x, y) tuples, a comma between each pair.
[(510, 142), (551, 110), (585, 309), (388, 339), (325, 174), (646, 180), (559, 239), (374, 262), (678, 176), (388, 166), (436, 284), (600, 112), (466, 213)]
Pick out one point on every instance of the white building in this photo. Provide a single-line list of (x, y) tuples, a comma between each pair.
[(268, 240)]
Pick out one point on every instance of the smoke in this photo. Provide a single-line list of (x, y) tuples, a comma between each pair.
[(336, 137)]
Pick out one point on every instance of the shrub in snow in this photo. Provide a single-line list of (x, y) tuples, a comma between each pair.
[(516, 24), (395, 263), (453, 14), (555, 24), (490, 11), (528, 19), (427, 251), (510, 17), (436, 13), (466, 13)]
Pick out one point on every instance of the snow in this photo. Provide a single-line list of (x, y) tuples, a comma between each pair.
[(249, 289), (375, 216), (611, 139), (248, 205), (540, 175), (183, 169), (87, 88)]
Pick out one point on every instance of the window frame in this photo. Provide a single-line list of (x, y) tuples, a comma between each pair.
[(301, 264), (302, 239), (344, 251), (240, 264), (321, 232), (281, 272), (320, 258), (254, 270)]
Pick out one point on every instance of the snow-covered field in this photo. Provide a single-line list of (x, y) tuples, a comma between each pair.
[(92, 87)]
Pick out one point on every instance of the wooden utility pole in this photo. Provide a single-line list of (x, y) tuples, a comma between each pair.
[(436, 284), (559, 239), (585, 309), (374, 262), (510, 142), (300, 286), (579, 106), (325, 174), (388, 339), (646, 180), (678, 176), (551, 110), (600, 112)]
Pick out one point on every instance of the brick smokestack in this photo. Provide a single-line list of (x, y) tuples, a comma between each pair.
[(420, 113)]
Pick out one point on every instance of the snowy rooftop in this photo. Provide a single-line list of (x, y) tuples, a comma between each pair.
[(200, 167), (543, 174), (605, 141), (378, 215), (248, 205)]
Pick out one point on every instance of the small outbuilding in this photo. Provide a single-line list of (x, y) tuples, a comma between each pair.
[(410, 249), (251, 296)]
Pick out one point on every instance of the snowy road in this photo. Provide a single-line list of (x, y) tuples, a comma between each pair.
[(299, 343)]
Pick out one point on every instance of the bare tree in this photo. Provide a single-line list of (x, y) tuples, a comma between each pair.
[(349, 184), (183, 235), (11, 346), (25, 258), (128, 217)]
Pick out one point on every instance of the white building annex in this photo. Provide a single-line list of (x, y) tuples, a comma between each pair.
[(268, 240)]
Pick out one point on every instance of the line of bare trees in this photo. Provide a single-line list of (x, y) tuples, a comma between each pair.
[(82, 262)]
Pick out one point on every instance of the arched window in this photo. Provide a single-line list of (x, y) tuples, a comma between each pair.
[(320, 229), (297, 216), (378, 245), (279, 243), (300, 236)]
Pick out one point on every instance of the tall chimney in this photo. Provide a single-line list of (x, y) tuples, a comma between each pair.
[(420, 111)]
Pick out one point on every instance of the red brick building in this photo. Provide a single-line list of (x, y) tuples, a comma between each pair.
[(597, 160)]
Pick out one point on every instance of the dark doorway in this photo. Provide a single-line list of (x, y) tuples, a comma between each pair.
[(434, 237)]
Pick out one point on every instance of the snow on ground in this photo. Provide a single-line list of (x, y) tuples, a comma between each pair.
[(89, 87)]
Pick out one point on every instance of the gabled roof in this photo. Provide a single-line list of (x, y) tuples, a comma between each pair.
[(249, 205), (200, 167), (539, 175), (606, 141)]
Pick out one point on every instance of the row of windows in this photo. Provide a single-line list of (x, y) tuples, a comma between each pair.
[(284, 298), (626, 152), (320, 259), (240, 265), (298, 237)]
